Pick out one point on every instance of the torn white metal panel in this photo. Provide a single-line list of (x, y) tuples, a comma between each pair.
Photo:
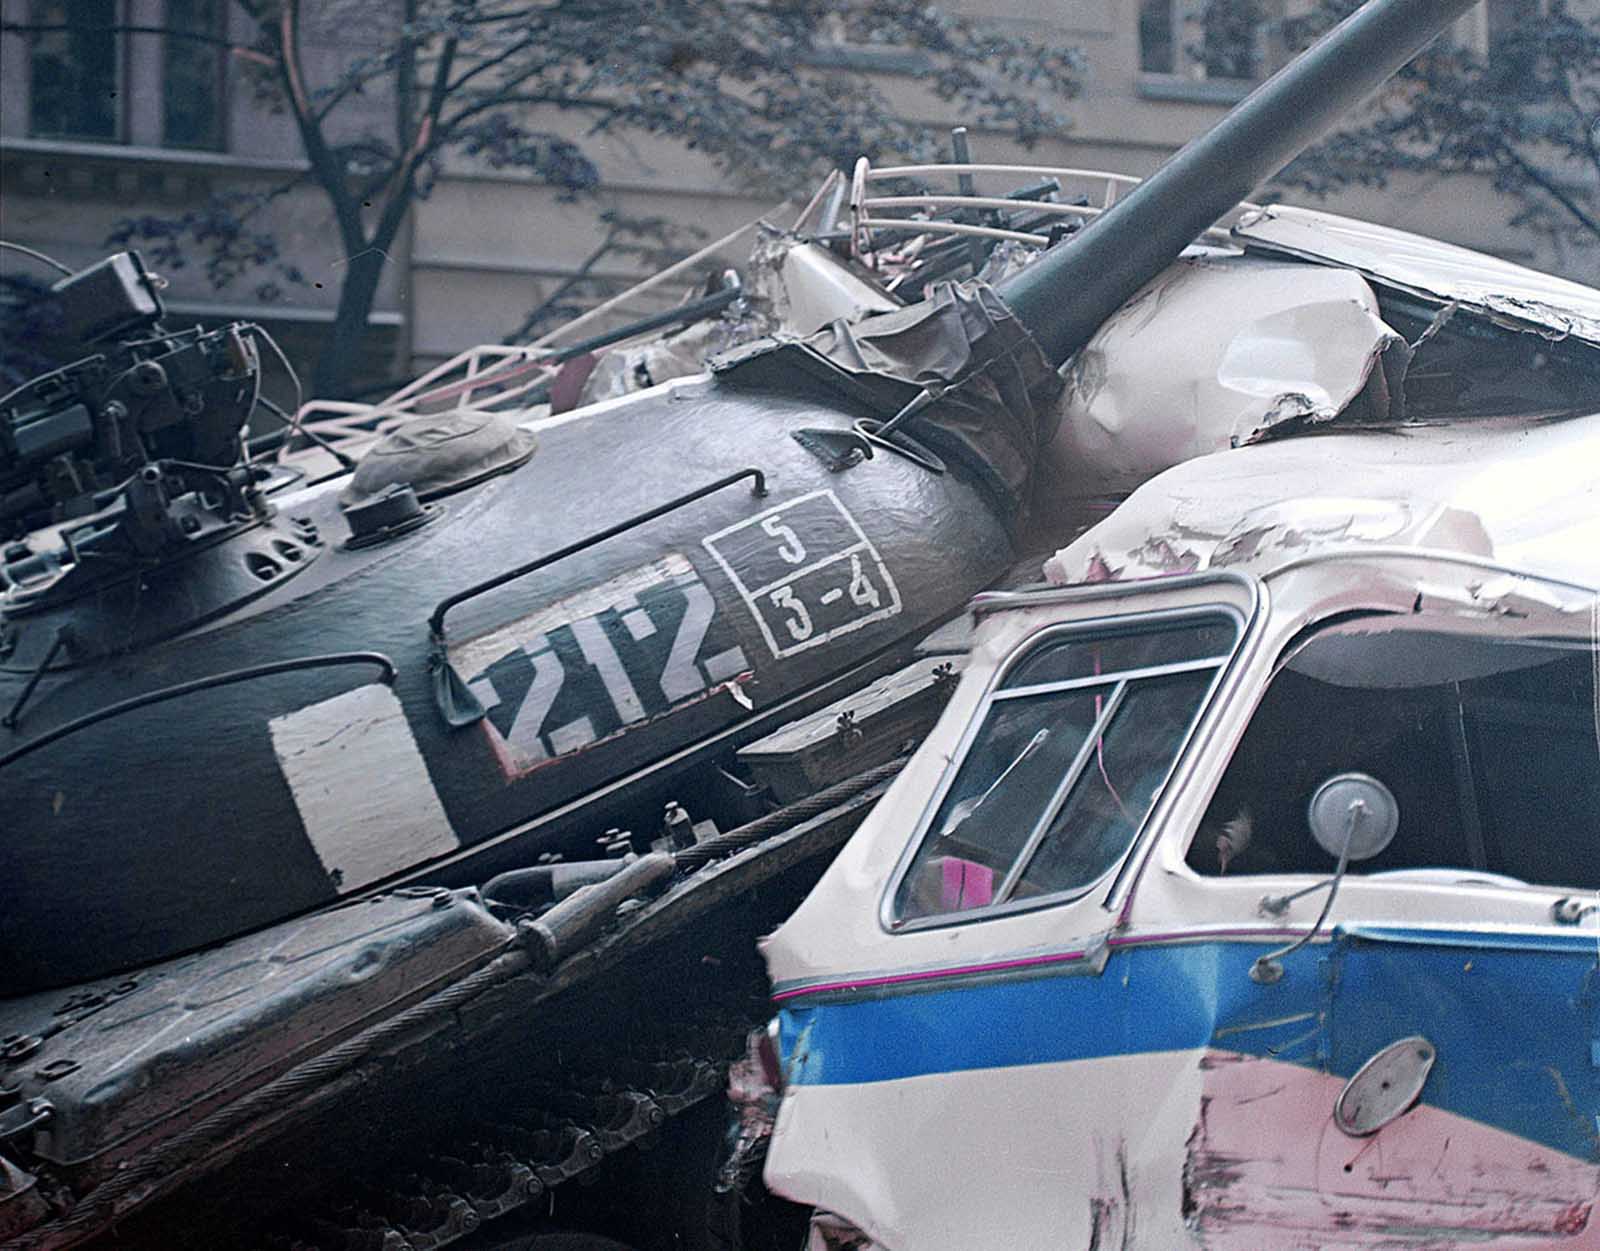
[(999, 1158), (1213, 354), (1509, 293), (796, 288), (807, 286), (637, 366), (1526, 496)]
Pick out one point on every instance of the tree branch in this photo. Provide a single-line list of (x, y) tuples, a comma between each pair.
[(174, 32), (499, 58), (1552, 189), (398, 197), (330, 169), (352, 84), (447, 131)]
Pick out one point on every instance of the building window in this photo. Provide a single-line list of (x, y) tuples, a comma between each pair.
[(163, 82), (1486, 741), (76, 83), (192, 75), (1203, 39), (1158, 45)]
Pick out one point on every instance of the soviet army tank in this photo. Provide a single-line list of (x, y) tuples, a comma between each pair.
[(330, 806)]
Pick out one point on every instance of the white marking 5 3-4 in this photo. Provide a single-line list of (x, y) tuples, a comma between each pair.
[(807, 572)]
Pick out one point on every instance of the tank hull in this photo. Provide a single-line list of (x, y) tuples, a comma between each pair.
[(603, 677)]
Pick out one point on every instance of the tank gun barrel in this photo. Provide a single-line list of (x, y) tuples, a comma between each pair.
[(1065, 296)]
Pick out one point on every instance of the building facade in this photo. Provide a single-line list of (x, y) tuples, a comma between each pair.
[(110, 109)]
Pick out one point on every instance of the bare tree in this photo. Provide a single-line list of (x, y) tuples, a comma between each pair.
[(1526, 113), (758, 85)]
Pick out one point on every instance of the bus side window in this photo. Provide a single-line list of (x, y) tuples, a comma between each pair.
[(1490, 746)]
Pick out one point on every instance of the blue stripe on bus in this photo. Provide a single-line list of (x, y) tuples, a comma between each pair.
[(1515, 1019)]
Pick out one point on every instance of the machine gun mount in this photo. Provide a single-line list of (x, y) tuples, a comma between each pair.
[(126, 461)]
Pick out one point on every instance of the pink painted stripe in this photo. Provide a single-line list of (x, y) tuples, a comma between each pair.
[(1025, 962), (895, 979)]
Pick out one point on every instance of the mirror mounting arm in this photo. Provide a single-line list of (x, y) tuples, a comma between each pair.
[(1277, 905), (1268, 969), (1370, 818)]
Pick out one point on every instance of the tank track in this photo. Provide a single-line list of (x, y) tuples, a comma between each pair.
[(474, 1104), (503, 1163)]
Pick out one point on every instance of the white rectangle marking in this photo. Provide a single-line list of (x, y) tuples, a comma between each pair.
[(361, 786)]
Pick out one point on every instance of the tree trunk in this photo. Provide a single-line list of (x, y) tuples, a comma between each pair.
[(337, 363)]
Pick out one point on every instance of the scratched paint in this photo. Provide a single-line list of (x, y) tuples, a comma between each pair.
[(582, 670), (1265, 1165)]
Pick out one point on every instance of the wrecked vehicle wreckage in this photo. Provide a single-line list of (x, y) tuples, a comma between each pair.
[(1247, 893), (383, 847)]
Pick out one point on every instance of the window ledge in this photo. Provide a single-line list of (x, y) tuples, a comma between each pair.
[(154, 156), (1193, 90), (286, 312), (870, 59)]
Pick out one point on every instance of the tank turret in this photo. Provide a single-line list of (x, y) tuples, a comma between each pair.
[(190, 716)]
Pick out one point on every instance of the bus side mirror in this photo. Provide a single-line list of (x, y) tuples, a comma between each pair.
[(1353, 816)]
